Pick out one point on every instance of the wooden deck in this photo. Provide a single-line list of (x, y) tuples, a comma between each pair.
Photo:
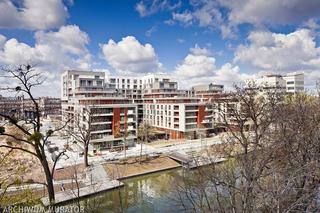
[(70, 195)]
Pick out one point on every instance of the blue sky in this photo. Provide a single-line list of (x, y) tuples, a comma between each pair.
[(196, 41)]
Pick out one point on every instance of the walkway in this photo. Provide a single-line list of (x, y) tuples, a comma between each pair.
[(69, 195), (96, 181)]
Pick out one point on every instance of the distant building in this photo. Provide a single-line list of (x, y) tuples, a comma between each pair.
[(290, 83), (11, 106), (24, 108), (206, 91), (294, 82)]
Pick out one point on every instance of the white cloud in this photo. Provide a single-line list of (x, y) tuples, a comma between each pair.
[(196, 50), (272, 12), (130, 56), (195, 66), (149, 7), (206, 14), (70, 38), (32, 14), (312, 24), (152, 30), (261, 13), (180, 40), (296, 51), (186, 17), (287, 52), (2, 40), (199, 67), (52, 53)]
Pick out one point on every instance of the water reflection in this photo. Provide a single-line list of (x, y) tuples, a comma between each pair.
[(149, 193)]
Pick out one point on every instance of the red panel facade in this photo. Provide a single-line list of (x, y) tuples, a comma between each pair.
[(115, 119), (201, 114)]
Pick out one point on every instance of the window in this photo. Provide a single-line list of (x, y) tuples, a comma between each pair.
[(99, 83), (290, 82)]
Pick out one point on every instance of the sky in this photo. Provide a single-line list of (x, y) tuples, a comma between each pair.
[(195, 41)]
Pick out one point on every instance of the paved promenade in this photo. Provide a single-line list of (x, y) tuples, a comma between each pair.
[(69, 195)]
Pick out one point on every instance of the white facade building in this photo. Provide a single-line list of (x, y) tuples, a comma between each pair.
[(110, 113), (176, 112), (269, 82), (132, 87), (294, 82), (290, 83), (135, 82)]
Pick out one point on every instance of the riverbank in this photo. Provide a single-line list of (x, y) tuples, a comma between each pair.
[(134, 168)]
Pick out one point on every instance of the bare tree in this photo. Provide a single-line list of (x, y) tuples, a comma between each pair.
[(82, 131), (249, 117), (122, 131), (298, 134), (144, 132), (33, 141)]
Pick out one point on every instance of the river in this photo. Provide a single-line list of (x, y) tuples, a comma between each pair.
[(148, 193)]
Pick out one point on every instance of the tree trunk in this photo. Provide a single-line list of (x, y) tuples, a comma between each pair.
[(85, 155), (49, 180), (124, 146), (140, 152)]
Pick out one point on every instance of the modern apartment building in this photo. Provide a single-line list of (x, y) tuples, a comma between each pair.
[(132, 87), (135, 82), (207, 91), (224, 105), (267, 82), (290, 83), (294, 82), (113, 116), (175, 112)]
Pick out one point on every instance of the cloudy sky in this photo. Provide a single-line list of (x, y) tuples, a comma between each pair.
[(221, 41)]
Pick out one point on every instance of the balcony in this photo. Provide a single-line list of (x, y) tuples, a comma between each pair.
[(131, 128), (100, 131), (103, 114), (101, 122), (130, 120)]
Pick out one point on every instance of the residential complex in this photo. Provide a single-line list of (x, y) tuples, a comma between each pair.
[(178, 113), (113, 117), (120, 103), (132, 87)]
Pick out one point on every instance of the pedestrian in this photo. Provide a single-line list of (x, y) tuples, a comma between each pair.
[(62, 187)]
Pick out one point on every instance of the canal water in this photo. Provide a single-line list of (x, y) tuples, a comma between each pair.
[(148, 193)]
